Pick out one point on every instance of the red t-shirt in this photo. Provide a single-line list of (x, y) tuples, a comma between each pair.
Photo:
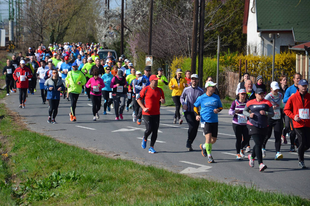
[(151, 99)]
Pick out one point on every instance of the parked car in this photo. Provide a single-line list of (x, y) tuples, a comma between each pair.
[(103, 53)]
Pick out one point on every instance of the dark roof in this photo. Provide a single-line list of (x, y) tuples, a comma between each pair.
[(285, 15), (300, 47)]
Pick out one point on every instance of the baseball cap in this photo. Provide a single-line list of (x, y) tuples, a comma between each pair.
[(153, 77), (303, 82), (96, 58), (55, 54), (29, 48), (130, 64), (194, 76), (50, 60), (89, 58), (22, 62), (66, 58), (126, 60), (210, 84), (259, 91), (160, 69), (241, 91), (179, 70), (147, 68), (274, 85), (138, 72), (74, 64)]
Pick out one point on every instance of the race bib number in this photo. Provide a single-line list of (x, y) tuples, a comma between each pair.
[(277, 114), (129, 95), (95, 88), (65, 70), (242, 119), (42, 75), (9, 71), (120, 89), (22, 78), (202, 124), (304, 114)]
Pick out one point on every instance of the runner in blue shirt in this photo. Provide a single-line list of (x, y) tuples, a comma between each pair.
[(211, 105), (64, 69)]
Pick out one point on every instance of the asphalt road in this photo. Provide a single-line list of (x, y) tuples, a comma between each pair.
[(123, 139)]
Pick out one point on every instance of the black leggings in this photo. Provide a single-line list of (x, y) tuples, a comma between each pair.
[(9, 84), (43, 95), (73, 98), (96, 101), (151, 125), (257, 149), (304, 141), (87, 89), (241, 131), (22, 95), (53, 110), (129, 100), (192, 128), (277, 126), (177, 102), (137, 109), (107, 100), (289, 124)]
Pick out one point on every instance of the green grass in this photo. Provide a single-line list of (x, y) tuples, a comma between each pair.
[(37, 170)]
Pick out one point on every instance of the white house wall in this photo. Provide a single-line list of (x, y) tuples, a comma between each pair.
[(283, 39)]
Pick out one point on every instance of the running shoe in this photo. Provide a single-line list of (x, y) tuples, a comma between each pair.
[(134, 118), (190, 148), (174, 121), (97, 115), (302, 165), (111, 106), (71, 117), (283, 139), (143, 143), (292, 149), (94, 118), (12, 91), (127, 109), (74, 118), (109, 109), (23, 106), (278, 156), (264, 153), (262, 167), (203, 151), (68, 99), (116, 118), (35, 90), (85, 93), (7, 94), (238, 157), (121, 116), (210, 159), (130, 106), (242, 153), (151, 150), (180, 121), (248, 149), (53, 121), (139, 122), (104, 113), (20, 106), (251, 160), (49, 120)]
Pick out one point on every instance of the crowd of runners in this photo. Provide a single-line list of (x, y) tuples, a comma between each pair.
[(70, 70)]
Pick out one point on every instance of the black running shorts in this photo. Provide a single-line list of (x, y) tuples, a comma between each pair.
[(211, 128)]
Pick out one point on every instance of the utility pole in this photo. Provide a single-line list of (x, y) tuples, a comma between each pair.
[(11, 20), (150, 29), (273, 54), (218, 61), (194, 36), (122, 29), (201, 42)]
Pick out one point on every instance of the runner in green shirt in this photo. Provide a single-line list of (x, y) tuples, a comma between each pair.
[(86, 70), (162, 80), (129, 79)]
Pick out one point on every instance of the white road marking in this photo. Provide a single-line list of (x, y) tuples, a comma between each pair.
[(90, 105), (85, 127), (131, 129), (295, 153), (229, 153), (169, 125), (157, 141), (189, 170)]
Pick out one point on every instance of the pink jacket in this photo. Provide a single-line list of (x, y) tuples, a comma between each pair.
[(94, 86)]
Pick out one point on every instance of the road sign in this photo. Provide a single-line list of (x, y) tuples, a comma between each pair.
[(149, 60)]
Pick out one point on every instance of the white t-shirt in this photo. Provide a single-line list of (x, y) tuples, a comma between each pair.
[(41, 72)]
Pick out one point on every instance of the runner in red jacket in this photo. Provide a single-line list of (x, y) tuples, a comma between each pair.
[(21, 76), (297, 108)]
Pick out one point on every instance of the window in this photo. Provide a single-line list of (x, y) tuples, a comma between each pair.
[(283, 49)]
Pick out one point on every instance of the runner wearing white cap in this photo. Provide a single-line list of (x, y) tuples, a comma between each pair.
[(275, 122), (211, 105)]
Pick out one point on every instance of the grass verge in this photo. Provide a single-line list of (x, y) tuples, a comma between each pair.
[(38, 170)]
